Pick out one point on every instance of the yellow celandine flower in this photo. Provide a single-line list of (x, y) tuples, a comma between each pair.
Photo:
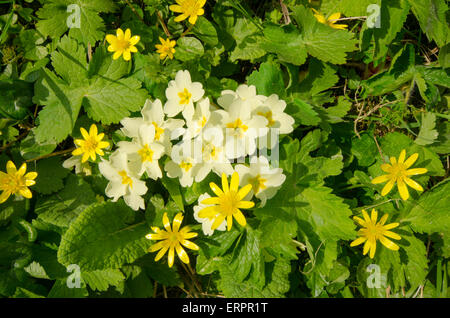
[(189, 9), (16, 181), (227, 203), (372, 231), (91, 145), (331, 21), (172, 239), (122, 43), (165, 48), (398, 172)]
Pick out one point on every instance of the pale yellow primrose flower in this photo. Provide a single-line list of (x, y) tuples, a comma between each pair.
[(171, 239), (189, 9), (166, 48), (372, 231), (331, 21), (398, 172), (16, 181), (91, 145), (122, 43)]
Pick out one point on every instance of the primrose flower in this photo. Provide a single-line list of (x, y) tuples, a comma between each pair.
[(228, 203), (245, 95), (181, 95), (165, 48), (123, 180), (144, 151), (182, 163), (189, 9), (372, 231), (199, 120), (331, 21), (91, 145), (16, 181), (153, 114), (122, 43), (265, 181), (80, 167), (399, 173), (172, 239)]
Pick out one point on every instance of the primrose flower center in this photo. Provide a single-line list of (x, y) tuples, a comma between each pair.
[(146, 153), (258, 183), (238, 126), (185, 97), (186, 166), (158, 131), (202, 122), (269, 118), (125, 178)]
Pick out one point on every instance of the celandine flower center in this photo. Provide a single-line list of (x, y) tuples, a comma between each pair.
[(122, 44), (90, 144), (229, 202)]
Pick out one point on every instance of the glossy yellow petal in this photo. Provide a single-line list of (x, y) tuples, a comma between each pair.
[(166, 223), (403, 190), (391, 226), (25, 192), (225, 187), (84, 133), (29, 183), (190, 245), (11, 167), (175, 8), (93, 131), (245, 204), (374, 216), (389, 244), (388, 187), (111, 38), (193, 19), (373, 248), (411, 160), (359, 220), (215, 188), (381, 179), (208, 212), (171, 256), (402, 156), (386, 167), (366, 216), (119, 33), (218, 220), (157, 246), (334, 16), (85, 157), (416, 171), (117, 54), (392, 235), (366, 247), (358, 241), (77, 152), (383, 219), (135, 40), (393, 160), (4, 196), (181, 17), (244, 191), (413, 184), (127, 55), (31, 175), (177, 222), (161, 253), (182, 254), (22, 169), (234, 184), (212, 200), (240, 218), (229, 222)]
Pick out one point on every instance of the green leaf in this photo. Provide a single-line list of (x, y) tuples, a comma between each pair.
[(427, 134), (303, 112), (100, 280), (104, 236), (347, 7), (63, 208), (50, 175), (15, 99), (30, 148), (31, 43), (321, 76), (55, 15), (432, 19), (276, 277), (205, 31), (321, 41), (364, 149), (248, 39), (173, 187), (286, 42), (268, 79), (61, 290), (70, 60), (188, 48)]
